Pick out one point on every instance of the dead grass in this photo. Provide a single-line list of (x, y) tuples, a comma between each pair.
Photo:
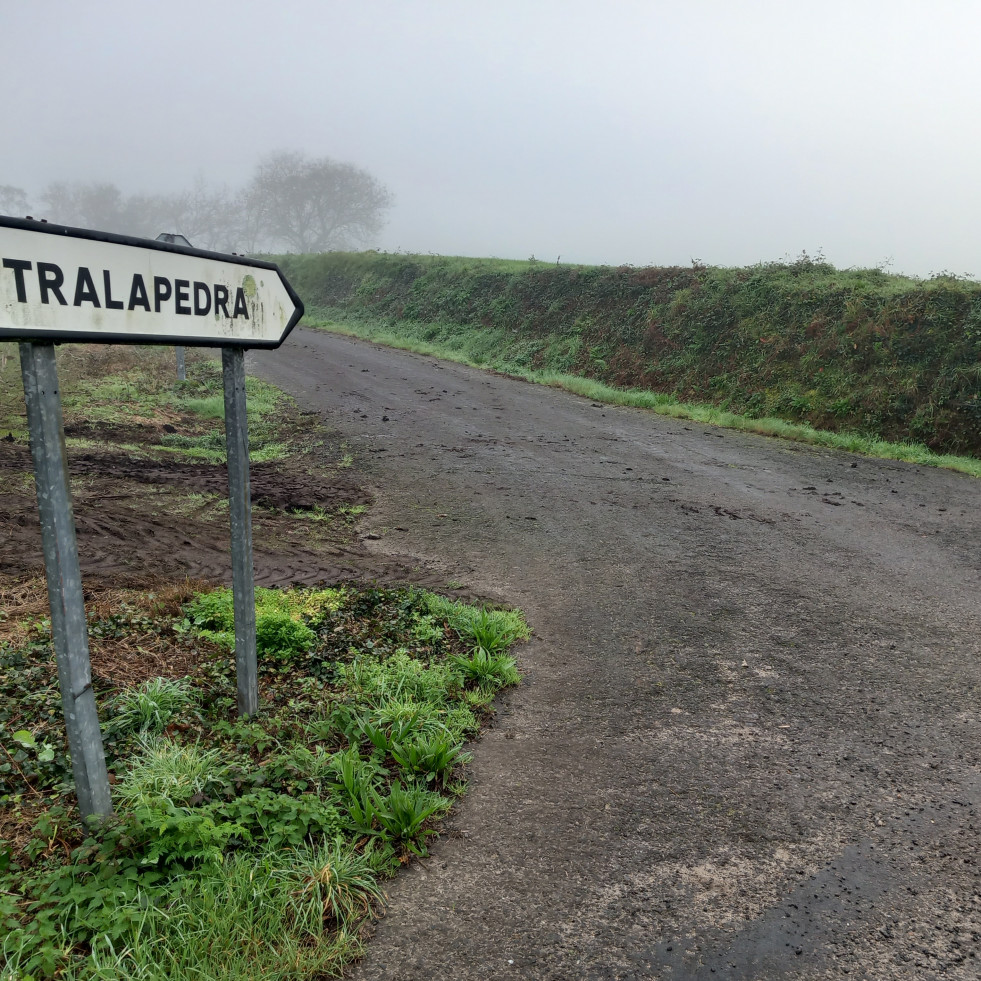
[(77, 361), (23, 601), (130, 656), (18, 824)]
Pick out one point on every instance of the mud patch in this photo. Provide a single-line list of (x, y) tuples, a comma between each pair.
[(154, 515)]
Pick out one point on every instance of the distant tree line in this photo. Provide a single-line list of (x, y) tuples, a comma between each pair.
[(291, 204)]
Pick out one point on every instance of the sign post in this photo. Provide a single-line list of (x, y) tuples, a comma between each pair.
[(60, 284), (72, 284), (68, 628), (240, 509)]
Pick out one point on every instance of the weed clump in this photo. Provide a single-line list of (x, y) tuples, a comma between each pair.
[(148, 707), (282, 633)]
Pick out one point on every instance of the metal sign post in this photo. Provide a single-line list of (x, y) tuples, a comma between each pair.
[(240, 507), (73, 284), (68, 628)]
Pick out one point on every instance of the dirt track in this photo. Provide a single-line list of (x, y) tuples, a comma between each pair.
[(747, 744)]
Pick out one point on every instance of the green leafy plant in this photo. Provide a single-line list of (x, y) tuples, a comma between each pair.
[(489, 630), (386, 729), (404, 812), (431, 756), (356, 773), (486, 669), (253, 915), (461, 722), (316, 763), (426, 628), (404, 717), (33, 749), (164, 770), (246, 734), (70, 904), (376, 734), (281, 631), (150, 706), (345, 719), (239, 847), (278, 820), (340, 881), (356, 782), (280, 636), (163, 834), (43, 752), (399, 676), (478, 699)]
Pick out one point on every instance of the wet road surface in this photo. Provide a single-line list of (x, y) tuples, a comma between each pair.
[(747, 741)]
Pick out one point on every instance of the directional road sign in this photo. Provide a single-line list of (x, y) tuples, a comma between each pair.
[(74, 284)]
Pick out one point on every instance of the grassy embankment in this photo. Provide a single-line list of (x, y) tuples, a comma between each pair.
[(853, 359), (239, 848)]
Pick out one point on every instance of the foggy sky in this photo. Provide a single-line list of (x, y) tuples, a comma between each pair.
[(611, 132)]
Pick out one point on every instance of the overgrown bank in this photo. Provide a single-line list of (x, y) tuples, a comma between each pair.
[(844, 350)]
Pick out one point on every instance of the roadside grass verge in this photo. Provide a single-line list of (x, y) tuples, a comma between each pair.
[(240, 847), (480, 350)]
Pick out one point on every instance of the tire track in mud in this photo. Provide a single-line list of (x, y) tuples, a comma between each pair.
[(131, 518)]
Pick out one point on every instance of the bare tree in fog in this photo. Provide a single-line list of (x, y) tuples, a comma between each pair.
[(205, 216), (13, 201), (86, 205), (292, 203), (209, 218), (306, 205)]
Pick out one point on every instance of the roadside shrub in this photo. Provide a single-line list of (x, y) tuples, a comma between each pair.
[(726, 338), (281, 631)]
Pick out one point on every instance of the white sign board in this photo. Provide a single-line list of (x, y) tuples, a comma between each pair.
[(73, 284)]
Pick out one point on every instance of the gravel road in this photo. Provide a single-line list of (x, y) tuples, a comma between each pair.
[(747, 741)]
